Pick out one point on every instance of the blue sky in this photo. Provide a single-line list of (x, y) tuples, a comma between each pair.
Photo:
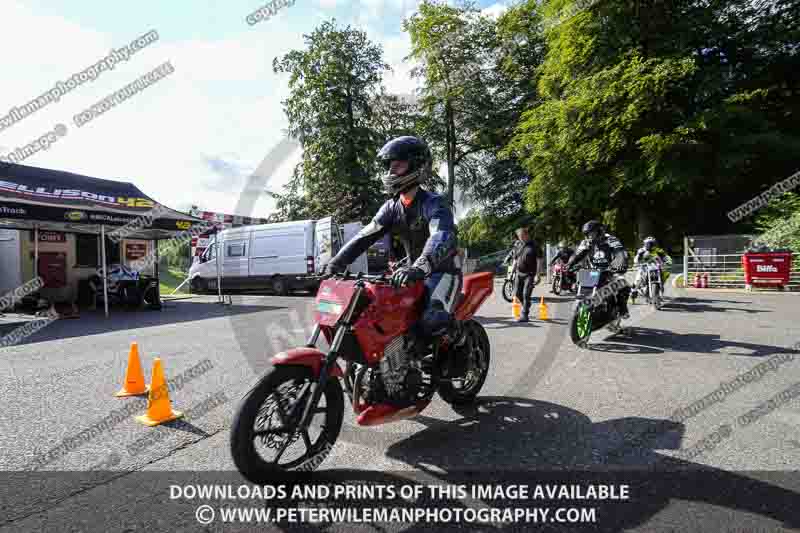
[(197, 135)]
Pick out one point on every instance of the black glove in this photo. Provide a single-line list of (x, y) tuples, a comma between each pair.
[(407, 276), (332, 269)]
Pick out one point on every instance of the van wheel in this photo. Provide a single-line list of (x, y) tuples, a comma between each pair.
[(280, 286), (198, 286)]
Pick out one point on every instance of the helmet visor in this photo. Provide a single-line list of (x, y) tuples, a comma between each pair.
[(592, 234), (396, 167)]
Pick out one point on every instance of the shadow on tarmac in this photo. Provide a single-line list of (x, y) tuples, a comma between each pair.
[(506, 440), (649, 340)]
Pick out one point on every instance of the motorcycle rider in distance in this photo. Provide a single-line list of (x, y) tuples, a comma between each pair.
[(603, 250), (646, 254), (513, 251), (564, 254), (425, 225)]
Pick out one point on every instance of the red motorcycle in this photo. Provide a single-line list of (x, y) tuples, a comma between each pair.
[(563, 279), (298, 405)]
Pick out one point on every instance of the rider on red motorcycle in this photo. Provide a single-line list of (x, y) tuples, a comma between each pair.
[(564, 254), (424, 224)]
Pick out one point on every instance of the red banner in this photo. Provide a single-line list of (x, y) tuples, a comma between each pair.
[(134, 251)]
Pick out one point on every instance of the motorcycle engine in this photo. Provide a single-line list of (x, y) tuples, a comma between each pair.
[(397, 373)]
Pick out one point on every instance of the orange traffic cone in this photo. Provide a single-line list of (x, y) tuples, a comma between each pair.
[(134, 384), (542, 310), (159, 408), (516, 308)]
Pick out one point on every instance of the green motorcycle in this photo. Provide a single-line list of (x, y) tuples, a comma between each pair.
[(596, 305)]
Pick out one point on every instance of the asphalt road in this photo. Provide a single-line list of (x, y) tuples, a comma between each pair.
[(545, 405)]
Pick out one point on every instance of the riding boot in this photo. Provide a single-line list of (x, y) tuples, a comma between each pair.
[(623, 305)]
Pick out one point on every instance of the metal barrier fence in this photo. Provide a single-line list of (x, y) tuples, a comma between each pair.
[(725, 271)]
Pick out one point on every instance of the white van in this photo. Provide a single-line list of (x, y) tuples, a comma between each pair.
[(281, 257)]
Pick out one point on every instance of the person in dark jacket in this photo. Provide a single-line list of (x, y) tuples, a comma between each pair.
[(527, 263), (603, 250), (425, 225)]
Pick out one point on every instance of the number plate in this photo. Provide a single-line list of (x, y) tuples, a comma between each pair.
[(589, 278), (329, 307)]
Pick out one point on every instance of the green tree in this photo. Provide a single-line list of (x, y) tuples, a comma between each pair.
[(451, 46), (333, 85), (657, 116), (779, 223)]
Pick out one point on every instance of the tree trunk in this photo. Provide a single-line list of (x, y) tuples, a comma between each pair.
[(644, 222), (451, 153)]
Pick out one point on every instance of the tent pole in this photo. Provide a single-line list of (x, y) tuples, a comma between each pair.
[(105, 278), (219, 270), (157, 272), (35, 251)]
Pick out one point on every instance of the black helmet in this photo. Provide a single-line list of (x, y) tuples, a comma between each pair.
[(420, 163), (592, 230), (649, 243)]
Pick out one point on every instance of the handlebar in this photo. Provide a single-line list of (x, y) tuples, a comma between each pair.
[(347, 275), (601, 270)]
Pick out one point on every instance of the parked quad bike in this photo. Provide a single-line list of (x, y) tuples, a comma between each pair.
[(587, 318), (651, 284), (508, 284), (563, 279), (127, 287), (299, 403)]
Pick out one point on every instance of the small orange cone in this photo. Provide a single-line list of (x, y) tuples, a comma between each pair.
[(159, 408), (516, 308), (134, 384), (542, 310)]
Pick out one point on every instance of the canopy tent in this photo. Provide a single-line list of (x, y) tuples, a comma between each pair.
[(33, 198)]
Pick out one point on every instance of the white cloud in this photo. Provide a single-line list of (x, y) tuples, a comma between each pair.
[(495, 10), (221, 104), (195, 136)]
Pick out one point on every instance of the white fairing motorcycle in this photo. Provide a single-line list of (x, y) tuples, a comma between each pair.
[(650, 284)]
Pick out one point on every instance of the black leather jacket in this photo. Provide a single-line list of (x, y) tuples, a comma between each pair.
[(426, 229), (608, 252)]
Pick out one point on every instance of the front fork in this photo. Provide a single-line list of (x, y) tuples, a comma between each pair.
[(322, 379)]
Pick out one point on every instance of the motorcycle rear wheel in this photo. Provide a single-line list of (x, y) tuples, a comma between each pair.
[(508, 291), (289, 408), (480, 356), (580, 326)]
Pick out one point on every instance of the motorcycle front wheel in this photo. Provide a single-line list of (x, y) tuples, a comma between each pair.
[(267, 423), (131, 297), (556, 288), (656, 296), (580, 327), (508, 291)]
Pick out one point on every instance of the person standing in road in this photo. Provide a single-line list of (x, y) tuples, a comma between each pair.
[(527, 262)]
